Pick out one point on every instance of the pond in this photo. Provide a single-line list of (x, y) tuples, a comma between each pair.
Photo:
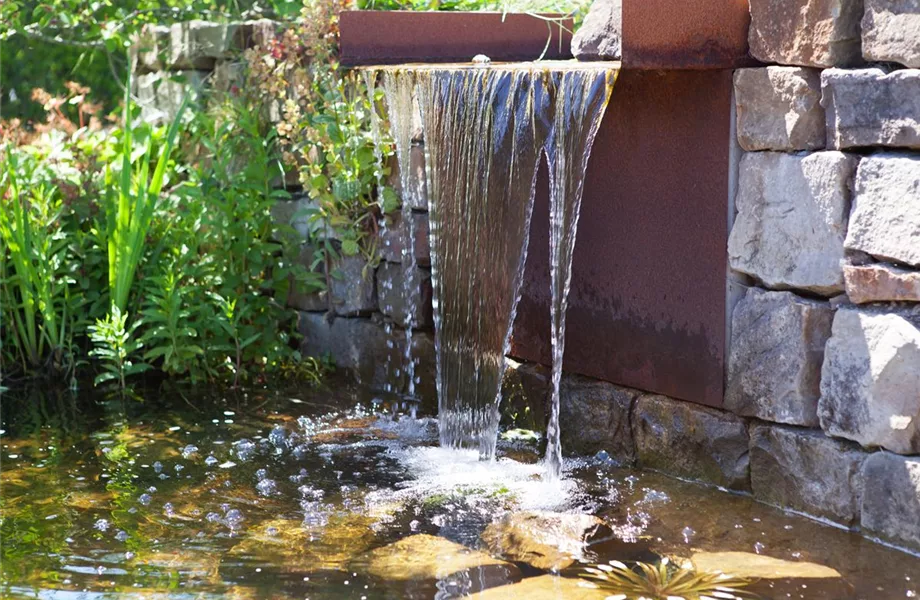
[(335, 493)]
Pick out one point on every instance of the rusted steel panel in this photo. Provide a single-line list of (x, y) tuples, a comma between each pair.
[(686, 34), (393, 37), (647, 305)]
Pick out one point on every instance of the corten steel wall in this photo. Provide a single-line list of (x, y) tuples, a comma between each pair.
[(394, 37), (647, 304), (647, 307)]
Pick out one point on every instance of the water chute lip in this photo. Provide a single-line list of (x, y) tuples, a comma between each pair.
[(542, 65)]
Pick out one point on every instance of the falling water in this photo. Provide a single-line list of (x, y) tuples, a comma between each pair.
[(486, 128), (580, 100)]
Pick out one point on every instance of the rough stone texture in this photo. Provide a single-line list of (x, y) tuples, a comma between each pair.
[(305, 299), (881, 283), (357, 345), (691, 441), (870, 382), (353, 287), (394, 240), (885, 221), (595, 415), (867, 107), (397, 302), (426, 371), (891, 501), (600, 35), (891, 31), (148, 49), (198, 44), (292, 218), (804, 470), (417, 196), (545, 540), (427, 557), (779, 108), (809, 33), (525, 395), (757, 566), (792, 219), (545, 587), (777, 348), (161, 94)]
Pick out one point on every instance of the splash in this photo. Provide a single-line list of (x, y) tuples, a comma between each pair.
[(486, 128)]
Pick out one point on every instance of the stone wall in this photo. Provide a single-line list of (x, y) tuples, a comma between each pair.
[(825, 349)]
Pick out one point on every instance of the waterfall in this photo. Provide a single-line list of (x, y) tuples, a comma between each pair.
[(486, 129)]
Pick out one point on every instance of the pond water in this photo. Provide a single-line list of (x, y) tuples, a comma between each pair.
[(338, 494)]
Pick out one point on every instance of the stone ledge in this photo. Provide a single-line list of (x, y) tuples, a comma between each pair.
[(779, 108), (695, 442), (777, 348), (804, 470), (869, 107)]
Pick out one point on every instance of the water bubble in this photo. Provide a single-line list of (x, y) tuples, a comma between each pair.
[(277, 436), (266, 487), (210, 461), (244, 449), (189, 450), (413, 525), (233, 518), (179, 468), (129, 555), (271, 531), (759, 548), (157, 467), (152, 489), (261, 474), (688, 534), (101, 525), (122, 535), (212, 517), (164, 476), (168, 509), (100, 570)]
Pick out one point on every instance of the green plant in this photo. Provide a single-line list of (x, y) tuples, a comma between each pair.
[(35, 280), (664, 581), (130, 202), (169, 336), (114, 345)]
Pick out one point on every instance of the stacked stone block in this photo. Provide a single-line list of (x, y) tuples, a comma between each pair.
[(188, 58), (825, 347)]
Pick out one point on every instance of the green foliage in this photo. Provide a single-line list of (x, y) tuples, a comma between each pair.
[(130, 202), (664, 581), (35, 280), (115, 344)]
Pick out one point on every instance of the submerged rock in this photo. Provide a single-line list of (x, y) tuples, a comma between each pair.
[(544, 540), (428, 557), (758, 566), (546, 587)]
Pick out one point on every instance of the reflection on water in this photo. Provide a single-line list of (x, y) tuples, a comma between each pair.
[(324, 494)]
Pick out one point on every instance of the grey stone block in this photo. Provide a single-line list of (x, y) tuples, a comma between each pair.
[(891, 31), (804, 470), (160, 95), (600, 35), (779, 108), (870, 380), (395, 238), (792, 219), (777, 349), (403, 300), (885, 221), (148, 49), (808, 33), (891, 500), (595, 415), (691, 441), (868, 107), (360, 346)]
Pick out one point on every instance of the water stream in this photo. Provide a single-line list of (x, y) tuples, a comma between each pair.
[(486, 128)]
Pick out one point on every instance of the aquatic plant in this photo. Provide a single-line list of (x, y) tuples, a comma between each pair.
[(664, 581), (114, 345)]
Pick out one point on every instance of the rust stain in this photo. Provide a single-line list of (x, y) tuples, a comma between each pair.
[(394, 37), (691, 34), (647, 305)]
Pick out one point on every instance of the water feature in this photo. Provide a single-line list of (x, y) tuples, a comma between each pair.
[(287, 493), (486, 128)]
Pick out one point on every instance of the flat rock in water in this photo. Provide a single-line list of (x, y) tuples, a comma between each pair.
[(545, 587), (757, 566), (428, 557), (544, 540)]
